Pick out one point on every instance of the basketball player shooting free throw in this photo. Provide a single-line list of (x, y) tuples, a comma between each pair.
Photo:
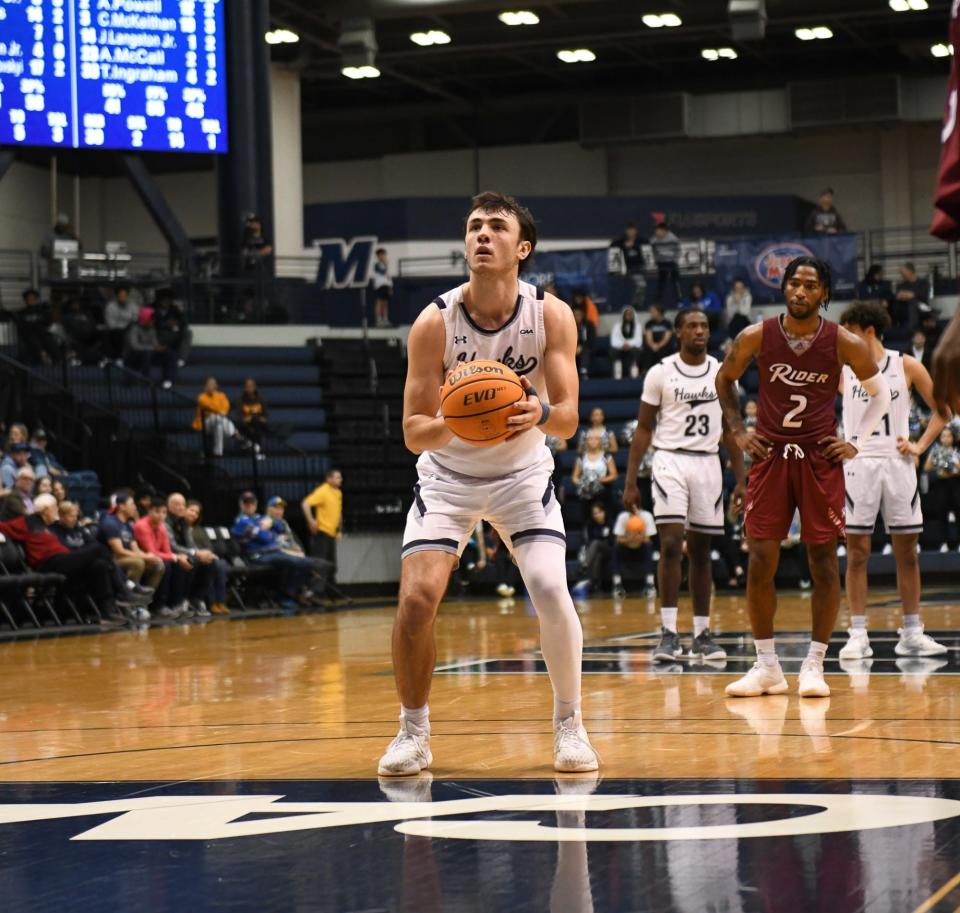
[(493, 316), (797, 460)]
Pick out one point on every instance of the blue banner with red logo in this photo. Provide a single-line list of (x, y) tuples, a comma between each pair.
[(570, 271), (760, 263)]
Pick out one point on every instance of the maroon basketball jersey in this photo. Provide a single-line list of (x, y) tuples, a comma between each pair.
[(797, 392), (946, 220)]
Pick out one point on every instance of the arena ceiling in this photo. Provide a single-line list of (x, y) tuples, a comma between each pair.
[(494, 84)]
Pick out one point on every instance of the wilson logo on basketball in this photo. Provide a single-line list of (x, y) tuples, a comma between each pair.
[(470, 371)]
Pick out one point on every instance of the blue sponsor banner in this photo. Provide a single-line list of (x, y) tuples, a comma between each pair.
[(760, 263), (569, 270)]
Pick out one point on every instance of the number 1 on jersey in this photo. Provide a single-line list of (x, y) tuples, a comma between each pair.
[(790, 419)]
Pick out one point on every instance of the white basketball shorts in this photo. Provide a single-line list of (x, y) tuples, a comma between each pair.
[(882, 484), (521, 506), (688, 489)]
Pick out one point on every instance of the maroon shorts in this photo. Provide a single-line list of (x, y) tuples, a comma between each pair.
[(795, 476)]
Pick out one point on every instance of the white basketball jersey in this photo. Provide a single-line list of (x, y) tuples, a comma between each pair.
[(690, 417), (896, 423), (519, 344)]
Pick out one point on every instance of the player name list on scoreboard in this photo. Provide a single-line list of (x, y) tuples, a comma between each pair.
[(115, 74)]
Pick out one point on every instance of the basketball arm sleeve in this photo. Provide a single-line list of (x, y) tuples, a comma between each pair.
[(879, 392)]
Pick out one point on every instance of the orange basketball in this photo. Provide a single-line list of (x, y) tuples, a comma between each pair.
[(477, 399), (635, 525)]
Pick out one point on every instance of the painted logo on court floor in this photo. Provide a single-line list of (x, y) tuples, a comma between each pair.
[(227, 817)]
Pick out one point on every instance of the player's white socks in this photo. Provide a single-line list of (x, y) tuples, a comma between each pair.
[(700, 624), (543, 568), (817, 652), (420, 717), (563, 710), (668, 618), (858, 622), (911, 621), (766, 653)]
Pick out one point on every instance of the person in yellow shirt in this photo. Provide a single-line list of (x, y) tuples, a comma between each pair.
[(323, 511), (213, 417)]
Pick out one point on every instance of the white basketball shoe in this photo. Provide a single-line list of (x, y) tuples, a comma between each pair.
[(759, 680), (913, 642), (572, 751), (408, 753), (858, 645), (812, 683)]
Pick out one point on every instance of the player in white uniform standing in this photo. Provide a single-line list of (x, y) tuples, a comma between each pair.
[(883, 478), (493, 316), (680, 397)]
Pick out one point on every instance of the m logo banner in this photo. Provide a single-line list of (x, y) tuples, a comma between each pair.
[(345, 264), (511, 817)]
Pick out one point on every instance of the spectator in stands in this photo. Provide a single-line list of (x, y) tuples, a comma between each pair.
[(323, 511), (88, 569), (84, 483), (920, 350), (382, 288), (151, 534), (750, 415), (37, 345), (930, 324), (261, 545), (626, 344), (597, 422), (631, 251), (18, 457), (18, 434), (739, 305), (632, 551), (172, 331), (43, 486), (586, 337), (116, 531), (254, 247), (119, 315), (911, 292), (594, 471), (83, 335), (824, 219), (44, 461), (253, 413), (68, 529), (943, 465), (596, 553), (144, 495), (874, 287), (59, 490), (143, 349), (666, 254), (657, 337), (217, 592), (20, 501), (212, 417), (707, 300), (202, 560)]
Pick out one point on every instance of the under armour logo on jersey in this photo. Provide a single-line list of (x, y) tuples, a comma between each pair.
[(459, 340), (793, 450)]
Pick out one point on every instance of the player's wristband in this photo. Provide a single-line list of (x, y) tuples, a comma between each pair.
[(546, 413)]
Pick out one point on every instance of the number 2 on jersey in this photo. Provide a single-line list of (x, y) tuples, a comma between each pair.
[(790, 420)]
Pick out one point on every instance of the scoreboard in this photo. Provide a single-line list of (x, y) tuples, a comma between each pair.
[(113, 74)]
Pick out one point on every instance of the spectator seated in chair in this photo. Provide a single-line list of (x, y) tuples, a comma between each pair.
[(213, 417), (119, 315), (253, 413), (217, 591), (202, 560), (88, 568), (115, 530), (170, 600), (20, 501), (18, 457), (626, 344), (595, 553), (84, 483), (142, 348), (263, 542), (632, 551)]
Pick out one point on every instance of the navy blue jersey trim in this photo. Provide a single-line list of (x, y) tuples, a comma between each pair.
[(419, 543), (545, 500), (530, 533), (513, 317), (440, 303), (419, 500)]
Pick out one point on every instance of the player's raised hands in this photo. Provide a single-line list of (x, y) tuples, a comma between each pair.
[(837, 449)]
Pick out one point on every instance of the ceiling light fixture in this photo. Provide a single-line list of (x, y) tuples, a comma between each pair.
[(434, 36), (365, 72), (281, 36), (907, 6), (580, 55), (817, 33), (662, 20), (719, 54), (519, 17), (941, 50)]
